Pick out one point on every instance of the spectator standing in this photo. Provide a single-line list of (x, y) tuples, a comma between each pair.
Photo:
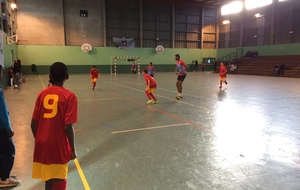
[(133, 68), (281, 69), (215, 66), (7, 146), (17, 72), (196, 65)]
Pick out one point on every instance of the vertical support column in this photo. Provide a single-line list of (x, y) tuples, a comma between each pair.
[(217, 29), (173, 25), (273, 21), (104, 23), (141, 24), (115, 65), (241, 30), (139, 65), (63, 21), (202, 26)]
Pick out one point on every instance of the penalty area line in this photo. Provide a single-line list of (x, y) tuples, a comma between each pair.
[(148, 128)]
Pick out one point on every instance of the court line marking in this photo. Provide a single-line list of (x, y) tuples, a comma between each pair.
[(41, 81), (160, 111), (98, 99), (162, 89), (157, 95), (148, 128), (81, 174)]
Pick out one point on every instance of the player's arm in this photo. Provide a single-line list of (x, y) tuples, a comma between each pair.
[(148, 86), (69, 130), (33, 127)]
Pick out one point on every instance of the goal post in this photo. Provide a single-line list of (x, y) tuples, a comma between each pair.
[(117, 60)]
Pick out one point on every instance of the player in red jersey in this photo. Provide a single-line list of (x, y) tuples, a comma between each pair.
[(181, 72), (52, 121), (222, 74), (94, 73), (151, 87)]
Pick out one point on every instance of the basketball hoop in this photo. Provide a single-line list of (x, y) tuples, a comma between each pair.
[(86, 47), (159, 49)]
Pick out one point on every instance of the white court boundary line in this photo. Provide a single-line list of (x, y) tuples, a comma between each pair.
[(117, 84), (100, 99), (148, 128)]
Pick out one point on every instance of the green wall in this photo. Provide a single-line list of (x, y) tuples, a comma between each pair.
[(281, 49), (80, 62)]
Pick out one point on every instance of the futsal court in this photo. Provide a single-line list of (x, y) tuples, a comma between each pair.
[(241, 137)]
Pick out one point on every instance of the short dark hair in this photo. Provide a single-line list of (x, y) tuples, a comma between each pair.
[(177, 55), (145, 71), (58, 71)]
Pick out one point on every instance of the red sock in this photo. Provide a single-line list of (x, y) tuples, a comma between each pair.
[(148, 95), (153, 97), (60, 185)]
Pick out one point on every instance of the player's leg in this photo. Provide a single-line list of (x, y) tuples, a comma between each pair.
[(148, 96), (153, 98), (49, 184), (59, 184), (7, 151), (179, 82), (221, 83), (93, 83), (152, 90)]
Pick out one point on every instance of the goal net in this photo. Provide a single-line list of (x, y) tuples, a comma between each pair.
[(123, 64)]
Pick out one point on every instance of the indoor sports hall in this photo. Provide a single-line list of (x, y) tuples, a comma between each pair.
[(242, 136)]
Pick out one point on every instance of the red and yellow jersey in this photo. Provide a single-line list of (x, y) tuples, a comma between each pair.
[(180, 67), (94, 73), (54, 108), (223, 71), (148, 78)]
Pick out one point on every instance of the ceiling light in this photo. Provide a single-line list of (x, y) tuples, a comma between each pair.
[(225, 22), (251, 4), (13, 6), (234, 7), (257, 15)]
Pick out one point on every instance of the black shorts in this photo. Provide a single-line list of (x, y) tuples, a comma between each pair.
[(181, 78)]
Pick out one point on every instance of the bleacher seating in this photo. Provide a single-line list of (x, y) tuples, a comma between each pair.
[(263, 65)]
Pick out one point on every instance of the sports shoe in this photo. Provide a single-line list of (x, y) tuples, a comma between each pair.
[(178, 97), (155, 102), (9, 182), (220, 87), (149, 101)]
